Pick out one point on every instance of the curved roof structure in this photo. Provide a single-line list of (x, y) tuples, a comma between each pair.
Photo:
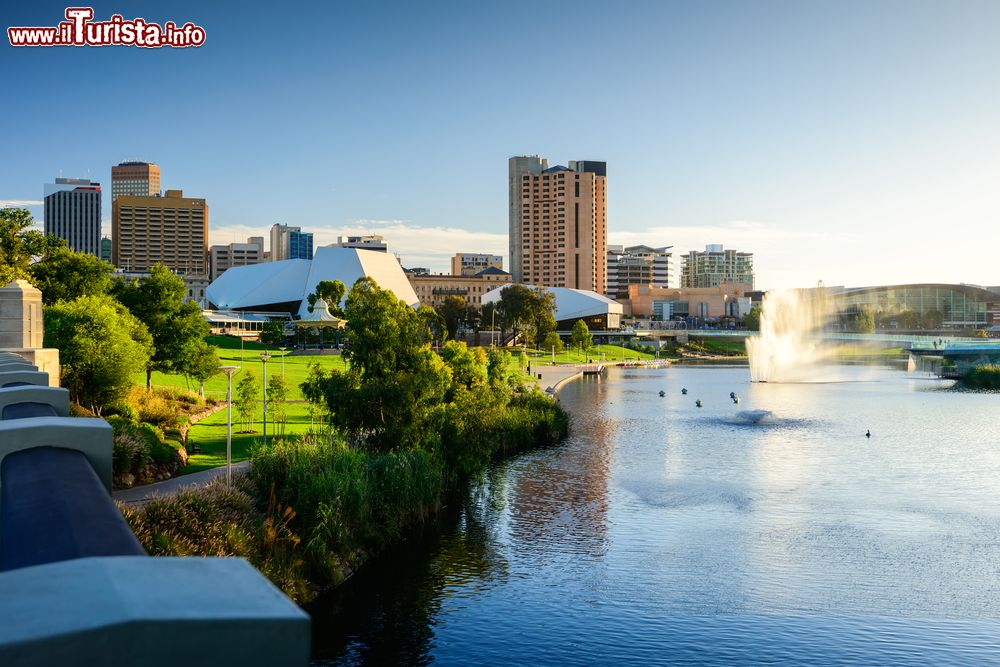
[(973, 291), (292, 280), (571, 303)]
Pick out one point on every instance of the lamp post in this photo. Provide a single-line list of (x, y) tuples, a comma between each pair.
[(493, 326), (282, 348), (263, 361), (229, 370)]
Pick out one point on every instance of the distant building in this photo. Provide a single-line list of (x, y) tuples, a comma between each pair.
[(637, 265), (469, 264), (598, 311), (370, 242), (170, 230), (222, 257), (432, 290), (106, 249), (716, 266), (921, 306), (135, 179), (73, 213), (699, 303), (290, 243), (417, 271), (558, 223)]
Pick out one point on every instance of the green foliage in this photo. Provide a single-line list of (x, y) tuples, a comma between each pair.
[(277, 395), (331, 291), (501, 370), (19, 243), (528, 311), (201, 363), (552, 340), (986, 376), (100, 347), (67, 274), (214, 520), (348, 499), (864, 321), (273, 332), (468, 366), (752, 319), (581, 337), (245, 399), (453, 311), (434, 328), (175, 326)]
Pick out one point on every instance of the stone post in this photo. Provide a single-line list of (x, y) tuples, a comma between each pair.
[(21, 327)]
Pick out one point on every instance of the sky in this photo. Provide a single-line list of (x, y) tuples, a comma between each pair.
[(857, 143)]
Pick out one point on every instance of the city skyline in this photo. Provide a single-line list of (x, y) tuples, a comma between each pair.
[(835, 143)]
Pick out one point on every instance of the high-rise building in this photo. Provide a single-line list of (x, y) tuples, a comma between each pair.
[(106, 249), (73, 212), (370, 242), (135, 179), (562, 228), (290, 243), (716, 266), (517, 167), (637, 265), (170, 230), (469, 264), (222, 257)]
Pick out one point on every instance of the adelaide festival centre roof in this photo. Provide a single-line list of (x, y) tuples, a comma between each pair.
[(571, 303), (257, 285)]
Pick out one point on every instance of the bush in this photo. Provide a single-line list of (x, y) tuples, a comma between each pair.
[(982, 377), (129, 454)]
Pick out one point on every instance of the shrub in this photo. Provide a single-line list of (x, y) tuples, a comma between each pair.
[(129, 454), (982, 377)]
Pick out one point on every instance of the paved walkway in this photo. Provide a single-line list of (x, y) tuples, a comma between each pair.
[(139, 495), (556, 376)]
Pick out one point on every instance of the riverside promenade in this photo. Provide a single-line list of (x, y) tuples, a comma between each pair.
[(554, 378)]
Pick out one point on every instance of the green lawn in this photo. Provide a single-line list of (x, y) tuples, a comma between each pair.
[(295, 367), (600, 353)]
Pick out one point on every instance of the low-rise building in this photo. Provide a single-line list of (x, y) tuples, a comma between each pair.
[(432, 290), (702, 303), (222, 257), (469, 264)]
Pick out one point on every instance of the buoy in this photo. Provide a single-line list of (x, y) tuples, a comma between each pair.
[(684, 391), (868, 434), (663, 393), (698, 402), (732, 394), (736, 400)]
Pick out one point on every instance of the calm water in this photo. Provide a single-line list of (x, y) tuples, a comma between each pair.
[(661, 532)]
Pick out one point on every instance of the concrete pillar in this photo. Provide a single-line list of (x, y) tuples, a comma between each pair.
[(22, 328)]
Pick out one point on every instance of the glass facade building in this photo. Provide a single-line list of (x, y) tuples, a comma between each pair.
[(951, 305)]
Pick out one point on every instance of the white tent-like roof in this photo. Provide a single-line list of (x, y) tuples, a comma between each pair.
[(290, 280), (320, 317), (571, 303)]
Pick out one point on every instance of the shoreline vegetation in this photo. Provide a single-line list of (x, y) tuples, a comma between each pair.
[(397, 431)]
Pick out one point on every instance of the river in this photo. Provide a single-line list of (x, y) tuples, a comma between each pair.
[(661, 532)]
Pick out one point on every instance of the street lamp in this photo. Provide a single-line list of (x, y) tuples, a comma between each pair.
[(229, 370), (493, 326), (282, 348), (263, 360)]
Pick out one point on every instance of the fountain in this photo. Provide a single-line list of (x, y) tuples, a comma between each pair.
[(789, 347)]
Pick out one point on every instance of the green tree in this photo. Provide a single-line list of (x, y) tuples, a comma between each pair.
[(864, 322), (20, 244), (581, 338), (528, 311), (246, 399), (552, 340), (331, 291), (277, 398), (501, 370), (454, 312), (434, 327), (101, 345), (468, 365), (273, 332), (66, 274), (158, 302), (752, 319), (201, 363)]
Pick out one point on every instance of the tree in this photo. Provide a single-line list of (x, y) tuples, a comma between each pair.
[(435, 329), (454, 312), (20, 244), (158, 302), (468, 365), (864, 322), (552, 341), (201, 362), (277, 397), (273, 332), (331, 291), (66, 274), (581, 338), (247, 391), (526, 310), (101, 345), (752, 319)]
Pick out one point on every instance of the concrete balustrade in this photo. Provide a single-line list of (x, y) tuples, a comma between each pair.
[(148, 611), (17, 366), (55, 397), (8, 378), (91, 437)]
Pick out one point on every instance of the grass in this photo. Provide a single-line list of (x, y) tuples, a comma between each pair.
[(296, 367), (606, 353)]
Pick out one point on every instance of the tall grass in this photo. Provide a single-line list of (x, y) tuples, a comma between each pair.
[(982, 377)]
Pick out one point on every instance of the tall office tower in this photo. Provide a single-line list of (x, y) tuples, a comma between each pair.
[(73, 212), (106, 249), (135, 179), (563, 226), (637, 265), (371, 242), (469, 264), (170, 230), (716, 266), (290, 243), (517, 167)]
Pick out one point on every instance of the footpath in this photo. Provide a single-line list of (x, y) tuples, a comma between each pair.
[(140, 495)]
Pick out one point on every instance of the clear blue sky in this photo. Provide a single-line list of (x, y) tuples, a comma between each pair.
[(853, 142)]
